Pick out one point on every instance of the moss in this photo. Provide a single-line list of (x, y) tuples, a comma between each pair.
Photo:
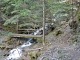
[(49, 31), (34, 54), (2, 47), (78, 13), (58, 32), (10, 28), (8, 40), (18, 43), (39, 40), (74, 39)]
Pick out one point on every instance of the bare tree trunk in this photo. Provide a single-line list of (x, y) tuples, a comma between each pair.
[(43, 22)]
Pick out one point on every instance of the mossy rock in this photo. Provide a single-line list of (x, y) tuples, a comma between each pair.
[(2, 47), (8, 40), (34, 54), (58, 32)]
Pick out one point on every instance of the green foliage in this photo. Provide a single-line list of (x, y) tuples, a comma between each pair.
[(39, 40), (5, 33), (74, 39), (12, 20), (17, 9), (34, 54), (78, 13), (29, 10)]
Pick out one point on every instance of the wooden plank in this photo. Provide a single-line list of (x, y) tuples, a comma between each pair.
[(27, 29), (29, 24), (26, 36)]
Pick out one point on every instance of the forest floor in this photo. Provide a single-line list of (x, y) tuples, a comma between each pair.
[(65, 46), (62, 44)]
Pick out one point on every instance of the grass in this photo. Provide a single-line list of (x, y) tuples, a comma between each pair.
[(39, 40)]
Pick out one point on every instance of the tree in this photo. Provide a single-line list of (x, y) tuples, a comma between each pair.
[(31, 10)]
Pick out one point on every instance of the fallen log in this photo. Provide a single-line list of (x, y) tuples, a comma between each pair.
[(26, 36)]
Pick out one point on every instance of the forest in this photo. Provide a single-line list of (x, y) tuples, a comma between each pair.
[(39, 29)]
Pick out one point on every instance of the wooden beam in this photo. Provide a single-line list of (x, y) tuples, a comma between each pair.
[(28, 29), (29, 24), (26, 36)]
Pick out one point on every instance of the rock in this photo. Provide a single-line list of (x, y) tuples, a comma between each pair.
[(63, 22), (78, 39)]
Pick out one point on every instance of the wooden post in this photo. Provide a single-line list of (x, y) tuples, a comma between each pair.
[(17, 27), (43, 22), (72, 11)]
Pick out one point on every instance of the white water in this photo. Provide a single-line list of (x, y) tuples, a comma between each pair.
[(14, 54), (26, 44)]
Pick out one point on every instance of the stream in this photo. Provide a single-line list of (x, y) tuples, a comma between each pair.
[(16, 53)]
